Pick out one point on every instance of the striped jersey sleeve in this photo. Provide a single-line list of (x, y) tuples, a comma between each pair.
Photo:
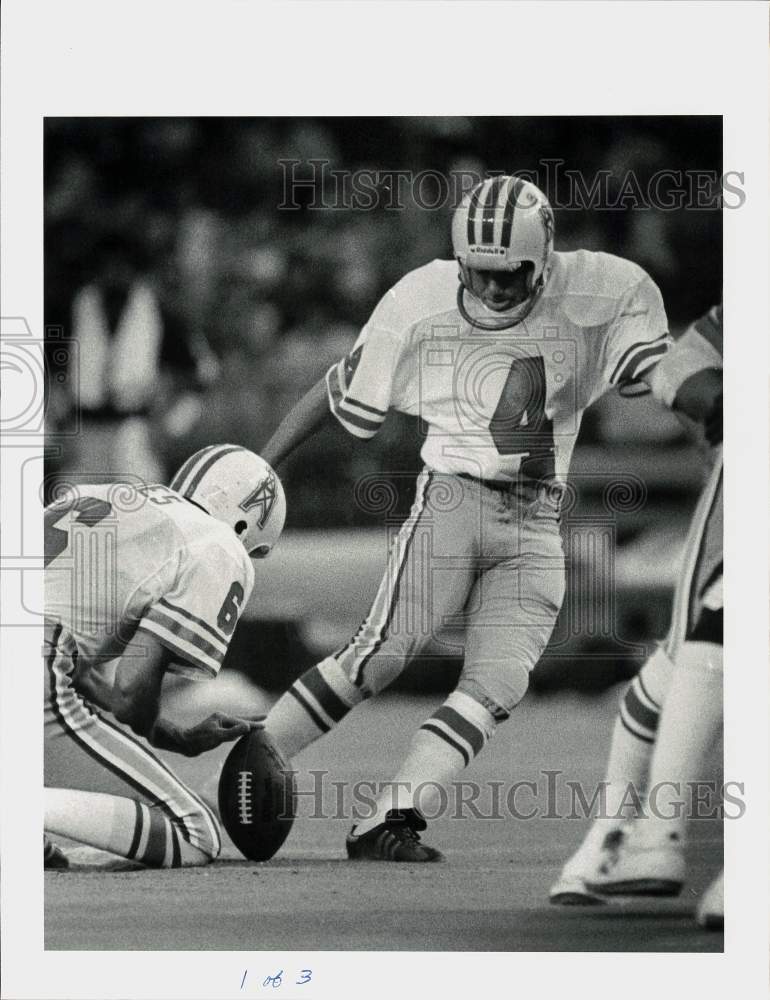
[(196, 616), (699, 348), (638, 337), (360, 386)]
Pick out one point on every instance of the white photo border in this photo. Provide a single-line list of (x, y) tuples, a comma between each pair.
[(237, 57)]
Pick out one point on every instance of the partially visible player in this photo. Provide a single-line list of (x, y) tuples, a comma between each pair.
[(156, 577), (499, 352), (671, 713)]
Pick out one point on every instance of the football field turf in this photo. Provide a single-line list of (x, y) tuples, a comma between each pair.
[(489, 895)]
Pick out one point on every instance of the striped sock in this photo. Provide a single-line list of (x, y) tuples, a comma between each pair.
[(633, 742), (690, 726), (441, 748), (155, 842), (119, 825), (312, 706)]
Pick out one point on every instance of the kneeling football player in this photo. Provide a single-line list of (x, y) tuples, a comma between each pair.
[(154, 577)]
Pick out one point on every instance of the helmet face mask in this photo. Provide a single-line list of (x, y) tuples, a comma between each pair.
[(240, 489), (500, 225)]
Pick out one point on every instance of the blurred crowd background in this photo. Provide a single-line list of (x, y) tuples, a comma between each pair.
[(186, 303)]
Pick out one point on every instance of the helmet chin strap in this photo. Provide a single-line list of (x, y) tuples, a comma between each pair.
[(505, 323)]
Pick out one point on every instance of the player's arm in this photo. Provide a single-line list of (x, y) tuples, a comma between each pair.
[(689, 378), (638, 338), (356, 391), (135, 701), (303, 420)]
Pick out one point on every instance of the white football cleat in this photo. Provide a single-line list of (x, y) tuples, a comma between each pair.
[(642, 868), (571, 887), (710, 912)]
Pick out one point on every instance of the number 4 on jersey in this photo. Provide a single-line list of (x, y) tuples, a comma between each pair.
[(519, 425)]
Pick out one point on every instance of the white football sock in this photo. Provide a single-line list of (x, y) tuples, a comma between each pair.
[(315, 703), (689, 728), (440, 749)]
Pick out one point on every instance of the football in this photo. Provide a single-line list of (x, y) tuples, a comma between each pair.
[(256, 796)]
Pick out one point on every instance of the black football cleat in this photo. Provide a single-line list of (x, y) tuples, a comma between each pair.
[(54, 858), (397, 839)]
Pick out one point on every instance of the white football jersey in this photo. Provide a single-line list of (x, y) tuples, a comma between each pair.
[(501, 404), (120, 559)]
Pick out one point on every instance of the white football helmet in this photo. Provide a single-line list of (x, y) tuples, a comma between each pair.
[(238, 487), (502, 223)]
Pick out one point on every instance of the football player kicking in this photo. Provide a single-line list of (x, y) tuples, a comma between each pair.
[(157, 577), (499, 366), (662, 748)]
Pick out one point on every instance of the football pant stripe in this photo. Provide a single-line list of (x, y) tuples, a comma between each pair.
[(461, 726), (641, 346), (325, 696), (205, 465), (202, 807), (392, 596), (349, 654), (74, 727), (448, 739), (184, 613), (309, 709), (111, 747)]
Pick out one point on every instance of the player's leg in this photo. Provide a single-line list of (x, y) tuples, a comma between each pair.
[(436, 584), (631, 750), (509, 617), (105, 788), (409, 602), (652, 858)]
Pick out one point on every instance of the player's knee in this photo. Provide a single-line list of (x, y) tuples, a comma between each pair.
[(380, 672), (499, 689)]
